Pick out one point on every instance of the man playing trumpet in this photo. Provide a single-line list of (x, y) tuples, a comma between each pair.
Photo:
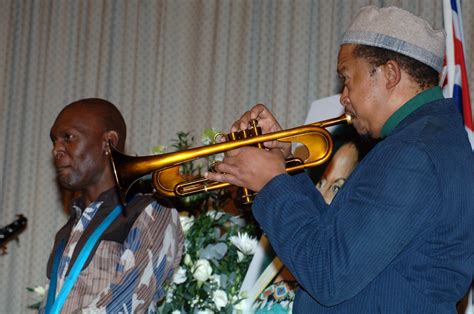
[(398, 236)]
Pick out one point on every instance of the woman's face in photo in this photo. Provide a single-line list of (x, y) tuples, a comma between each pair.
[(337, 172)]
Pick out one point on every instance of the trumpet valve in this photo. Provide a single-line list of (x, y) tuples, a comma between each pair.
[(255, 131), (232, 136)]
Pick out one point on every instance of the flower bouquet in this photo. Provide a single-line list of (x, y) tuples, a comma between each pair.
[(221, 238), (218, 247)]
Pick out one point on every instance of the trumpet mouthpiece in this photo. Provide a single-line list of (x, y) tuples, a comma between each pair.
[(348, 118)]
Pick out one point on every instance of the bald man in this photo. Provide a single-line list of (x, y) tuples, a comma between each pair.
[(107, 258)]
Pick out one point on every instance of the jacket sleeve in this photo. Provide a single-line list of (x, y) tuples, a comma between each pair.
[(151, 252), (379, 210)]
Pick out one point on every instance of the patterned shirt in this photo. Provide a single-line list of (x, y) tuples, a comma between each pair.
[(128, 266)]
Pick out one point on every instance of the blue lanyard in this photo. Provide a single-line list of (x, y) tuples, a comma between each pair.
[(54, 306)]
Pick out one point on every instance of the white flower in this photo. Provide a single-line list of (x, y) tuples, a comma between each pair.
[(246, 244), (40, 291), (187, 260), (215, 279), (242, 305), (186, 222), (169, 294), (205, 311), (202, 270), (180, 276), (214, 214), (176, 312), (220, 299)]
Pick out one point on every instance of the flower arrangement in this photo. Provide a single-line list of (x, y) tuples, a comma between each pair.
[(218, 247)]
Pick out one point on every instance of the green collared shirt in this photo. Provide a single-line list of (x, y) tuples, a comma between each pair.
[(416, 102)]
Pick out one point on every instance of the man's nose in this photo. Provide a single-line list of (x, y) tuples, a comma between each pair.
[(344, 99), (58, 151)]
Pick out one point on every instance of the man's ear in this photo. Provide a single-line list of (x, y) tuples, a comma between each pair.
[(112, 138), (392, 73)]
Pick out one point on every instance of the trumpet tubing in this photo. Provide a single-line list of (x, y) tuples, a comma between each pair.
[(165, 167)]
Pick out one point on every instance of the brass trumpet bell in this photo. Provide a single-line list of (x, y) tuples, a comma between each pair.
[(164, 168)]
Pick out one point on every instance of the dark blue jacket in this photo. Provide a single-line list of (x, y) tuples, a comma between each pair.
[(399, 235)]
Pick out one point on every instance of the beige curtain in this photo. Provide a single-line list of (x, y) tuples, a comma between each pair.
[(170, 66)]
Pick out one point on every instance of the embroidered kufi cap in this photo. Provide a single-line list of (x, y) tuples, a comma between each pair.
[(398, 30)]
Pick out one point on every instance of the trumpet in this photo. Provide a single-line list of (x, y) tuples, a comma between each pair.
[(164, 168)]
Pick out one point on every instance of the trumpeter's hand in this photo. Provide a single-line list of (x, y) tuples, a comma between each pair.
[(267, 122), (249, 167)]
